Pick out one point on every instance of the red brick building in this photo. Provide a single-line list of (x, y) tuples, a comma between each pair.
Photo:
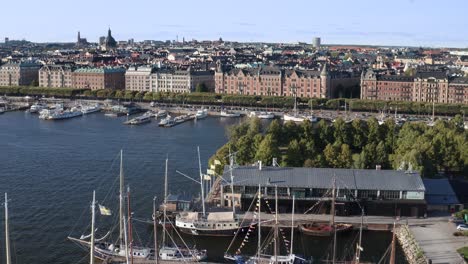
[(435, 86), (99, 78)]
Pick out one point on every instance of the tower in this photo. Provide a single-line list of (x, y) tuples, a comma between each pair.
[(325, 83), (79, 38)]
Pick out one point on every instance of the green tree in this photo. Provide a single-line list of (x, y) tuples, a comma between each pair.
[(294, 156), (331, 153), (345, 159), (359, 134), (274, 129), (341, 132), (325, 133), (290, 132), (244, 150), (267, 150), (381, 155)]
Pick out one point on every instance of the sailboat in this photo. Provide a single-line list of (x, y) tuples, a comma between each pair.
[(295, 117), (116, 250), (213, 223), (174, 253), (7, 233), (261, 258), (326, 229)]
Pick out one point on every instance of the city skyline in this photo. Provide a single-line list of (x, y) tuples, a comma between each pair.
[(403, 23)]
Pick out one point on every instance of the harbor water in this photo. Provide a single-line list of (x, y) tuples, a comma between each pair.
[(50, 169)]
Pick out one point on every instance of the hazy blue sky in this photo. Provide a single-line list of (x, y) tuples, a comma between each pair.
[(396, 22)]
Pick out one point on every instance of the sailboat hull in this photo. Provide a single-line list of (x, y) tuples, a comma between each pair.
[(323, 229)]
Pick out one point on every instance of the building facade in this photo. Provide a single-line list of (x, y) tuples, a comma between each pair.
[(19, 74), (378, 192), (99, 78), (55, 76), (180, 81), (273, 81), (138, 79), (434, 86)]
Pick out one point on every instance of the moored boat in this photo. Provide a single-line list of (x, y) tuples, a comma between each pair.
[(229, 114), (323, 229), (89, 109), (201, 114)]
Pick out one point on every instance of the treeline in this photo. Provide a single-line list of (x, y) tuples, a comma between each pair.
[(359, 144), (278, 102)]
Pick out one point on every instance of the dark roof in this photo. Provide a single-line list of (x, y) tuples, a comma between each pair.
[(460, 80), (460, 187), (439, 192), (322, 178), (395, 78), (432, 74)]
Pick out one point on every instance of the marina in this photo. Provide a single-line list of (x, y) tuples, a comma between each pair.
[(144, 170)]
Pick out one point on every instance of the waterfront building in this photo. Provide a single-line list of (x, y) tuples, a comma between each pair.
[(55, 76), (430, 86), (379, 192), (180, 81), (138, 78), (274, 81), (440, 196), (99, 78), (19, 74)]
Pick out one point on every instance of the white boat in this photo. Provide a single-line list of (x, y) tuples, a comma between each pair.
[(265, 115), (293, 117), (37, 107), (143, 119), (63, 114), (121, 249), (89, 109), (214, 223), (201, 114), (165, 120), (229, 114), (161, 113)]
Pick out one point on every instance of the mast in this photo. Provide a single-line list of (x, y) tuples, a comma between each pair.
[(259, 242), (201, 182), (292, 224), (156, 254), (231, 166), (392, 253), (121, 199), (164, 205), (93, 216), (125, 240), (130, 235), (276, 225), (333, 220), (359, 245), (7, 233)]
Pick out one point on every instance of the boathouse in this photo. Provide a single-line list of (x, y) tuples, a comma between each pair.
[(377, 192)]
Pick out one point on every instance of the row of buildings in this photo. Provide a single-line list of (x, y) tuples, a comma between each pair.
[(422, 86), (429, 86)]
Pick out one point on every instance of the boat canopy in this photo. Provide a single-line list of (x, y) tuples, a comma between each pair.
[(221, 216)]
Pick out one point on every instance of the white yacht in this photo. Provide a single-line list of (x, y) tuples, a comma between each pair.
[(37, 107), (64, 114), (225, 113), (88, 109), (266, 115), (203, 113), (165, 121)]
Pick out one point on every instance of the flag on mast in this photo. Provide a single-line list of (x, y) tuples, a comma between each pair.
[(104, 210)]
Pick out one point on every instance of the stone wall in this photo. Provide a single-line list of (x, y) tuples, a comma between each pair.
[(413, 253)]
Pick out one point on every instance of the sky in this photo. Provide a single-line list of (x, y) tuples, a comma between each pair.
[(428, 23)]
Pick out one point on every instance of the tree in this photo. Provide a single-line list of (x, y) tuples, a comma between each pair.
[(325, 133), (290, 132), (345, 159), (201, 88), (35, 83), (255, 126), (267, 150), (359, 134), (331, 153), (294, 156), (274, 129), (244, 150), (381, 155), (341, 132)]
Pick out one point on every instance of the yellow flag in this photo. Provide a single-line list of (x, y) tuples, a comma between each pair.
[(213, 167), (104, 210)]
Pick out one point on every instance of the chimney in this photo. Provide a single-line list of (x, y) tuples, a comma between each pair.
[(378, 167), (259, 165)]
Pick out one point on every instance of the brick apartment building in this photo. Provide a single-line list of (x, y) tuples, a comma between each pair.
[(19, 74), (56, 76), (99, 78), (273, 81), (435, 86)]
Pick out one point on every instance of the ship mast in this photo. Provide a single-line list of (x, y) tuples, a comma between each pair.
[(333, 225), (130, 235), (231, 167), (359, 245), (156, 254), (259, 242), (392, 253), (121, 200), (276, 242), (125, 240), (164, 205), (201, 182), (93, 216), (7, 233), (292, 225)]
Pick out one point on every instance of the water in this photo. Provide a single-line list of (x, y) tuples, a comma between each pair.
[(50, 169)]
